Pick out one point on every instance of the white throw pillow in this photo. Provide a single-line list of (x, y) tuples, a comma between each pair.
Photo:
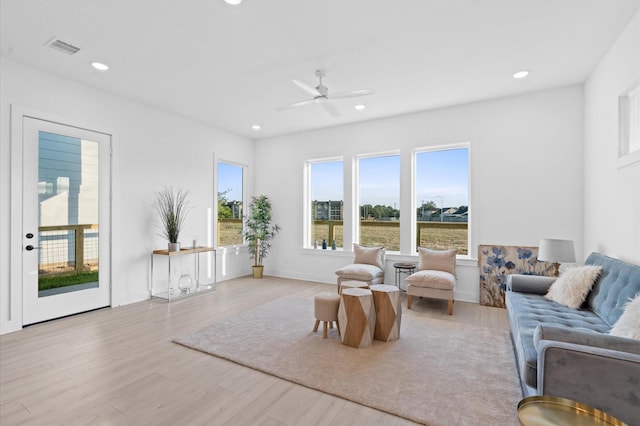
[(573, 286), (628, 325)]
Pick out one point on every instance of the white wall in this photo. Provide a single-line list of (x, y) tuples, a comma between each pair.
[(526, 175), (612, 194), (151, 149)]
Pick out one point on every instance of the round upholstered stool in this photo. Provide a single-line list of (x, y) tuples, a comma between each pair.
[(386, 298), (325, 308), (356, 317)]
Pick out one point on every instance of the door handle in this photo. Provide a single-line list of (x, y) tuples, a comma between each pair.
[(30, 247)]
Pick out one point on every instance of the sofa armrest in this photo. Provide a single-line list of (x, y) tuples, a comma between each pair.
[(529, 283), (585, 338), (606, 379)]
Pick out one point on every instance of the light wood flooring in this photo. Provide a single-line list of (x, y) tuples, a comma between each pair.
[(119, 366)]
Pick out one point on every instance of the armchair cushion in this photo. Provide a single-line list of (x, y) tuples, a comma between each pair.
[(360, 272), (440, 260), (432, 279), (369, 255)]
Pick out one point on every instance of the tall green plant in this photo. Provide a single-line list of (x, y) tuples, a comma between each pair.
[(172, 207), (259, 232)]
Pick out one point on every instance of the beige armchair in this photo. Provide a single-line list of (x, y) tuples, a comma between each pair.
[(367, 266), (435, 278)]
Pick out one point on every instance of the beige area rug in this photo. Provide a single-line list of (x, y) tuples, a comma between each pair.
[(437, 373)]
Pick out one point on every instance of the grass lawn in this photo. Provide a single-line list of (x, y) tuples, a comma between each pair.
[(45, 283)]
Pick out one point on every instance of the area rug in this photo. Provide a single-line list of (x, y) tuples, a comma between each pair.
[(437, 373)]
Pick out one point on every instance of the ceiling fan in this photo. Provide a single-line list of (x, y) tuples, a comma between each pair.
[(321, 95)]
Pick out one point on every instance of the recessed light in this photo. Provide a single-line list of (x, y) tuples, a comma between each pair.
[(521, 74), (256, 127), (99, 66), (360, 107), (233, 2)]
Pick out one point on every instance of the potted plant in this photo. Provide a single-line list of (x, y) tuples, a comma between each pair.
[(172, 207), (259, 231)]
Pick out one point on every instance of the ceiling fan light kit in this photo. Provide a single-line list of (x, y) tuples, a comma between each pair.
[(321, 96)]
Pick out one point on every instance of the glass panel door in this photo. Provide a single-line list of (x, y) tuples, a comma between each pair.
[(65, 220)]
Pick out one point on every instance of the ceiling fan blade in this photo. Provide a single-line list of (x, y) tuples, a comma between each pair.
[(352, 93), (309, 89), (331, 109), (295, 104)]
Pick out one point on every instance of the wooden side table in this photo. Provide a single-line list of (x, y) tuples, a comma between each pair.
[(386, 299), (356, 317), (406, 268)]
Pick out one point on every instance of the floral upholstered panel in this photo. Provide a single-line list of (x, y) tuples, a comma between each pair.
[(496, 262)]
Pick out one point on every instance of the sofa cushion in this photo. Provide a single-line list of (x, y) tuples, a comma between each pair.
[(574, 284), (432, 279), (360, 272), (441, 260), (618, 282), (628, 325), (368, 255)]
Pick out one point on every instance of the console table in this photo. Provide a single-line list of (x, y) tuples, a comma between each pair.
[(170, 293)]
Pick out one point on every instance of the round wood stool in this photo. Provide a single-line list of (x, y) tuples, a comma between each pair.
[(325, 309), (356, 317)]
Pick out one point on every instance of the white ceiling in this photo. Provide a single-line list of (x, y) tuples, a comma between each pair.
[(230, 66)]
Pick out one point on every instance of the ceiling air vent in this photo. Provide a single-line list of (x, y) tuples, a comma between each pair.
[(62, 46)]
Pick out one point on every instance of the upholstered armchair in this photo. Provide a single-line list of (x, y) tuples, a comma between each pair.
[(435, 278), (367, 266)]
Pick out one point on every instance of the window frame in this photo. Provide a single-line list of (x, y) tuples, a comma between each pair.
[(356, 192), (306, 211), (216, 191), (414, 204)]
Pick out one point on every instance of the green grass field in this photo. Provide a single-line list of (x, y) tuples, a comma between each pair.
[(46, 283)]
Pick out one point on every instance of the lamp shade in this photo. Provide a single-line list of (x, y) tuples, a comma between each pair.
[(553, 250)]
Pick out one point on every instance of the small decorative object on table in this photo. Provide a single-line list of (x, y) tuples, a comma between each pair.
[(185, 283), (324, 244), (172, 207)]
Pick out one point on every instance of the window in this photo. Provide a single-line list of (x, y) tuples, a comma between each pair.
[(229, 204), (442, 199), (326, 203), (379, 200), (629, 125)]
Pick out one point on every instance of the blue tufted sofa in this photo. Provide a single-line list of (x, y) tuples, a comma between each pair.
[(568, 352)]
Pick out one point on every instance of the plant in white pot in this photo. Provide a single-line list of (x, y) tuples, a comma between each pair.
[(172, 207), (259, 231)]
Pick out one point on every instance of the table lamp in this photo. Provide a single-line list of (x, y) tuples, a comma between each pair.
[(556, 251)]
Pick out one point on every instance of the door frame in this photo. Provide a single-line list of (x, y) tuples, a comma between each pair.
[(15, 293)]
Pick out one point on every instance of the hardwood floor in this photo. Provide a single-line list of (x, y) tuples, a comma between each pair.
[(119, 366)]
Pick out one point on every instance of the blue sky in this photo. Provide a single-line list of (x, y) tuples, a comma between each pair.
[(439, 174), (230, 178)]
